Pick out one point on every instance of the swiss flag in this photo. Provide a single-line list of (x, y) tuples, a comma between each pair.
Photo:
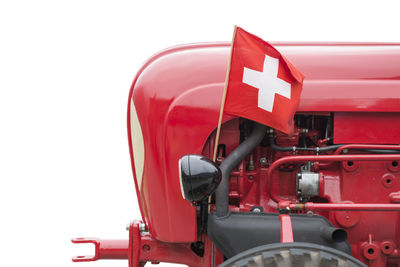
[(261, 84)]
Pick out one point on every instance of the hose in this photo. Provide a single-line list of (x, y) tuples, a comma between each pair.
[(230, 162), (382, 151), (294, 148), (334, 147)]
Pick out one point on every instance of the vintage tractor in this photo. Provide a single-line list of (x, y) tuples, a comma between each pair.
[(326, 195)]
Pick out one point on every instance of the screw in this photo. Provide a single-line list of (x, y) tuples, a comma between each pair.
[(257, 210), (142, 227), (263, 161), (251, 166)]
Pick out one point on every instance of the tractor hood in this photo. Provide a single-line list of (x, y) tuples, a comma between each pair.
[(339, 76), (175, 101)]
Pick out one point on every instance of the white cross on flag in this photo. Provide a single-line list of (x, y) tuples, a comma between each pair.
[(261, 84)]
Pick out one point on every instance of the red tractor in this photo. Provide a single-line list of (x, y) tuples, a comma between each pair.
[(326, 195)]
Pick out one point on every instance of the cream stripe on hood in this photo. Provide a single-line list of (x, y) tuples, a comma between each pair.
[(137, 145)]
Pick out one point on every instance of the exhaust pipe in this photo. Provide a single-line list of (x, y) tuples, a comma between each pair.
[(230, 162), (332, 234)]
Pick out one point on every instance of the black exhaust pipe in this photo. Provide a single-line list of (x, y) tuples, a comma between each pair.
[(332, 234), (230, 162)]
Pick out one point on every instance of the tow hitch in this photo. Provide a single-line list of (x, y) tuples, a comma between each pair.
[(139, 249)]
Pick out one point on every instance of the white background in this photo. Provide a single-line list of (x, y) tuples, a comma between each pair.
[(65, 71)]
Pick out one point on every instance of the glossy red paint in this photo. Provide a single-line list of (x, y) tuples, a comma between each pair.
[(104, 249), (371, 128), (286, 228), (171, 98), (142, 248), (177, 96)]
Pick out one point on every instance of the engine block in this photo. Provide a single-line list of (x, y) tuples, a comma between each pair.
[(373, 235)]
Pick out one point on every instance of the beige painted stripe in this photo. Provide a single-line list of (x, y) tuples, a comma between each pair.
[(137, 145)]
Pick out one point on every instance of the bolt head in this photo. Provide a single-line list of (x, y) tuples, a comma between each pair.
[(257, 210), (263, 161), (142, 227)]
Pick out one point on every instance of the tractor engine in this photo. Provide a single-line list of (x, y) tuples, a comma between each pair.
[(313, 178)]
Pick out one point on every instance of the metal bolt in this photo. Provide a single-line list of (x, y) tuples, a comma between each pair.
[(251, 166), (251, 177), (142, 227), (263, 161), (310, 213), (257, 210)]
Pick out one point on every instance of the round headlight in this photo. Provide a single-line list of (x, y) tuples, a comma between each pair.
[(199, 177)]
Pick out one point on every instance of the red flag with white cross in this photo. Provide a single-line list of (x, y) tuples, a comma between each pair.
[(261, 85)]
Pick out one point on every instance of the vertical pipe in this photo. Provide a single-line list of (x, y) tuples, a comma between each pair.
[(230, 162)]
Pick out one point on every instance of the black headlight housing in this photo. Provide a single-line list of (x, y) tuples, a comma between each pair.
[(199, 177)]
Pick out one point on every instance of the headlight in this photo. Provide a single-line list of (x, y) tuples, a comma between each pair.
[(199, 177)]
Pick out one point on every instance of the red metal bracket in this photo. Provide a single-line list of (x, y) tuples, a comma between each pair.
[(139, 249), (286, 228), (103, 249), (94, 241)]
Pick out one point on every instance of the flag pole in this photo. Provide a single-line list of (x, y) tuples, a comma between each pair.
[(221, 111)]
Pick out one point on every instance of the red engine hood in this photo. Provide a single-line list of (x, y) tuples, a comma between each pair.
[(339, 76)]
